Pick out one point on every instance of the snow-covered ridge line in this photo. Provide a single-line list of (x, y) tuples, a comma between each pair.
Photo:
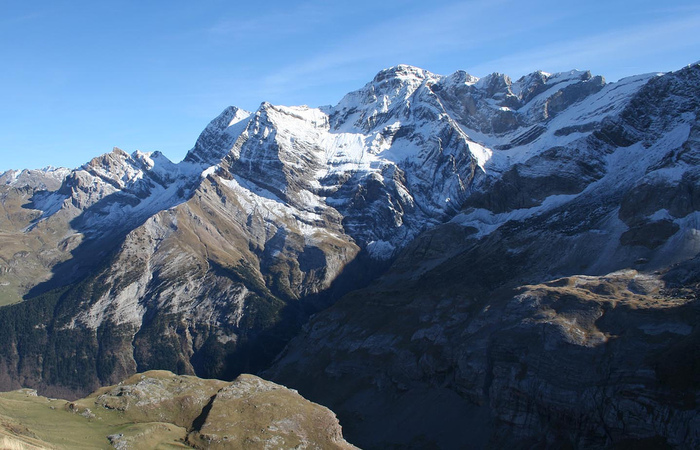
[(19, 178), (410, 145)]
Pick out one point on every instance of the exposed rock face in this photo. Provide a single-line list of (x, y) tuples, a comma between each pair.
[(158, 409), (612, 347), (26, 259), (583, 361), (474, 317), (466, 195), (266, 415), (158, 396)]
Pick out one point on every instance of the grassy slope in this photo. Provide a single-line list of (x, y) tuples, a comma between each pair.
[(158, 410), (51, 423)]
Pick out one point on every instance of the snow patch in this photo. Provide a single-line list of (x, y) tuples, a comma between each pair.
[(486, 222), (209, 171), (661, 214), (381, 250)]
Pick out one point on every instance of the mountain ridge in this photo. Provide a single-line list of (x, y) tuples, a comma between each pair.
[(478, 187)]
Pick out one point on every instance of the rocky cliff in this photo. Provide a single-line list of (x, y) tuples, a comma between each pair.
[(487, 246), (557, 309)]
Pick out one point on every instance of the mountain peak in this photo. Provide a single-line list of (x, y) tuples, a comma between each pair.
[(210, 147), (114, 158), (461, 77), (402, 71), (495, 82), (390, 90), (119, 152)]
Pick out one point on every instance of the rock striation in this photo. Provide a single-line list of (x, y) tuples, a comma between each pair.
[(481, 258)]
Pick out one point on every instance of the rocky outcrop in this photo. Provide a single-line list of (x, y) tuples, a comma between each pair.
[(266, 415), (158, 408), (549, 312), (582, 361)]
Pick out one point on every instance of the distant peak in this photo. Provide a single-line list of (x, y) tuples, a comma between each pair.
[(462, 77), (402, 71), (48, 169), (115, 155), (203, 151), (226, 118), (119, 152), (496, 83), (538, 76), (583, 75), (139, 154), (229, 116), (144, 158), (494, 79)]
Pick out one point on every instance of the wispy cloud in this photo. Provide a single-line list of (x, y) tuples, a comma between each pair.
[(296, 19), (479, 36), (666, 9), (412, 37), (12, 20), (624, 47)]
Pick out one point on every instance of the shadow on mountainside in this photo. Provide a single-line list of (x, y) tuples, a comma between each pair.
[(258, 350), (47, 349), (102, 234), (481, 339)]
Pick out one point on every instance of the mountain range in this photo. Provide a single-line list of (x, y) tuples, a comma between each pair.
[(444, 261)]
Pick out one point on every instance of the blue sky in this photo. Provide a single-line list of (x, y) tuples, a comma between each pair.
[(79, 77)]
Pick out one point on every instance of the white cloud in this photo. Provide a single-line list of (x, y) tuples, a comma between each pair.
[(511, 37), (297, 19), (632, 48), (452, 28)]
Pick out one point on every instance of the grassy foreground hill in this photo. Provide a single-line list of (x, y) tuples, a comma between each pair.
[(160, 410)]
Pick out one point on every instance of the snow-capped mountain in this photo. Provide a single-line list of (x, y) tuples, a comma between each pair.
[(475, 186), (393, 158)]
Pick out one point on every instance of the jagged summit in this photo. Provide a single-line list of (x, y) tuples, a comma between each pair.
[(394, 92), (421, 206), (460, 77), (213, 144), (384, 135), (402, 71)]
